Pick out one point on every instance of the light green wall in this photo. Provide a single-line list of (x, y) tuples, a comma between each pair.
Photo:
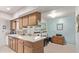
[(68, 28)]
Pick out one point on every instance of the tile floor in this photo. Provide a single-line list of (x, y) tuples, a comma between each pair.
[(50, 48), (5, 49), (54, 48)]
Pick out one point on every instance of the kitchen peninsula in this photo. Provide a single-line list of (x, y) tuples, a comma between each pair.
[(26, 44)]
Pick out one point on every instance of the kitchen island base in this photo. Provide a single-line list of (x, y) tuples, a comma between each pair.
[(24, 46)]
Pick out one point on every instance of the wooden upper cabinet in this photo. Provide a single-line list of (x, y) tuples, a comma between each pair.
[(28, 20), (13, 25), (25, 21), (34, 18), (20, 23)]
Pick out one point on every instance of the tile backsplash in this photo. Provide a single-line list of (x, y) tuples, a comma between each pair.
[(32, 30)]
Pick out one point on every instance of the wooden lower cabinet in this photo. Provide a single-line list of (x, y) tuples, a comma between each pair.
[(20, 46), (27, 49), (23, 46), (38, 47), (11, 44), (14, 44)]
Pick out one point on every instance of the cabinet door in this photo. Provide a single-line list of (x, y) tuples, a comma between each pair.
[(20, 46), (13, 25), (27, 49), (11, 42), (14, 44), (38, 47), (32, 19), (20, 23), (25, 21)]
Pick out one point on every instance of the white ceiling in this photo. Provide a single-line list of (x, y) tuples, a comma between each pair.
[(66, 9), (17, 11), (13, 9)]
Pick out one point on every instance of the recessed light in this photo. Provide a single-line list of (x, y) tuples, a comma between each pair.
[(53, 11), (55, 14), (8, 8), (52, 14)]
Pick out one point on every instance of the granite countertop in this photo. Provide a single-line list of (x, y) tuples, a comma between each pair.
[(28, 38)]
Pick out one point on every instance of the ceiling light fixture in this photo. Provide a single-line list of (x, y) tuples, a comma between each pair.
[(52, 14), (55, 14), (8, 8), (54, 11)]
